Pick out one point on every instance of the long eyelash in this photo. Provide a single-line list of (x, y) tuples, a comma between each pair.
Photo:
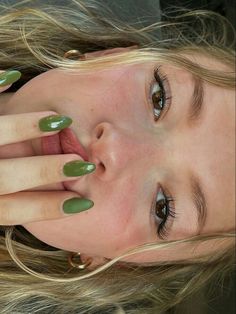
[(163, 81), (162, 229), (164, 84)]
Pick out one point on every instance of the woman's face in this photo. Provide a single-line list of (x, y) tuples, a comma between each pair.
[(138, 160)]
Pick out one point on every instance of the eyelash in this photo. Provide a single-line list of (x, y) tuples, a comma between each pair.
[(164, 84), (162, 81), (162, 230)]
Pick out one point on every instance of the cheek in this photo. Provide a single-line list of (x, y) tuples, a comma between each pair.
[(37, 94), (102, 230)]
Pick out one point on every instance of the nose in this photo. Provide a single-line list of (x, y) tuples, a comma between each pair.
[(112, 150)]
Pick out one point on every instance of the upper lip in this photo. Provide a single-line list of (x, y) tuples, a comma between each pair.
[(71, 144)]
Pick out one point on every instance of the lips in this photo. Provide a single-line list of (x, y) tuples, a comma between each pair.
[(70, 144), (64, 142)]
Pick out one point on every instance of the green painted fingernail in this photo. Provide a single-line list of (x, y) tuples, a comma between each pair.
[(9, 77), (76, 205), (54, 123), (78, 168)]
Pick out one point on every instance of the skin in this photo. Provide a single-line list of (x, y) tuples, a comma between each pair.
[(133, 155)]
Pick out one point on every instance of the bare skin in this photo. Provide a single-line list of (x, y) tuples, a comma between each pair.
[(113, 118)]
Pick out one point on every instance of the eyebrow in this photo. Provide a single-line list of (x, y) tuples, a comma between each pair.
[(196, 103), (199, 201), (194, 115)]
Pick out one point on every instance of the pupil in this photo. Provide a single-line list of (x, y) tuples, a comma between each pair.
[(156, 98), (161, 205)]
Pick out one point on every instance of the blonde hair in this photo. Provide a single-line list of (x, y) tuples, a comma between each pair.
[(33, 40)]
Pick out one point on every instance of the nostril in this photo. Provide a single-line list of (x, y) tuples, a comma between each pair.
[(99, 132), (102, 167)]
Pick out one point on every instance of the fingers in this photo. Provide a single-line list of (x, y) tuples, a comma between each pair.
[(25, 207), (18, 174), (2, 89), (7, 78), (26, 126), (21, 174)]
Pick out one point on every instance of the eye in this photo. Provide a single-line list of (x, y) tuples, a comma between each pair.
[(162, 211), (160, 94)]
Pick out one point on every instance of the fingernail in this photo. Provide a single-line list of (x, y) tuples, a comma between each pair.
[(78, 168), (76, 205), (54, 123), (9, 77)]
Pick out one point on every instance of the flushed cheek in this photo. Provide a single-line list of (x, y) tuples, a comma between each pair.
[(109, 93), (116, 210), (129, 226), (105, 227), (98, 231)]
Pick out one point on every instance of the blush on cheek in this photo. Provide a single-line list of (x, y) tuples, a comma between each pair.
[(130, 231)]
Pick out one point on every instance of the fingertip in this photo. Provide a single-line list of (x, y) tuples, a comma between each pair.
[(9, 77), (3, 88)]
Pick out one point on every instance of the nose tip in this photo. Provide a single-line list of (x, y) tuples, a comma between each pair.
[(107, 150)]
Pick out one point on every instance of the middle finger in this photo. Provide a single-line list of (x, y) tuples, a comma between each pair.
[(20, 174), (26, 126)]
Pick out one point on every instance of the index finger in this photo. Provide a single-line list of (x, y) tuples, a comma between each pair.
[(26, 126)]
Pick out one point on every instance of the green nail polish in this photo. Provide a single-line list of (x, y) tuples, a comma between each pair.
[(78, 168), (9, 77), (76, 205), (54, 123)]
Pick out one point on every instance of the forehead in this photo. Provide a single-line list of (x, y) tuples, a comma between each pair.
[(215, 139), (208, 62)]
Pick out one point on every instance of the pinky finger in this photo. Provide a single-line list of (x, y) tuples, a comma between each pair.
[(24, 207)]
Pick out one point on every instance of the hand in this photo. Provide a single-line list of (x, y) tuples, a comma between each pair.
[(18, 206)]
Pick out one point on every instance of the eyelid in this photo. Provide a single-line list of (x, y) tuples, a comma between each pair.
[(172, 214), (159, 77)]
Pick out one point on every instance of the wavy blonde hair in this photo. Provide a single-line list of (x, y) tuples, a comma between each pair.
[(34, 39)]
